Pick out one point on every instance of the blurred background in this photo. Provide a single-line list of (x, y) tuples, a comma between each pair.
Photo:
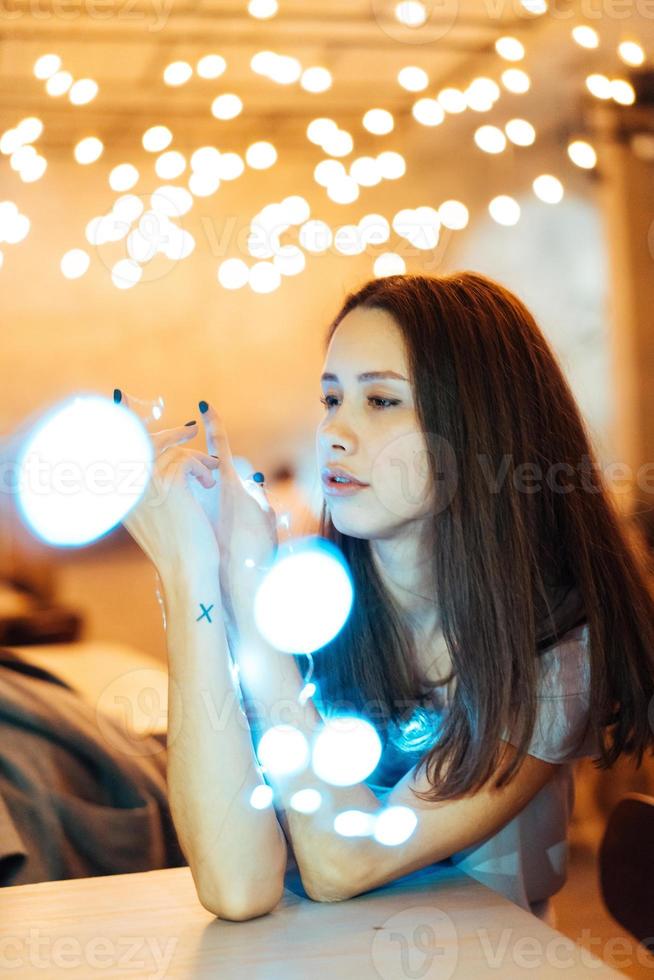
[(189, 189)]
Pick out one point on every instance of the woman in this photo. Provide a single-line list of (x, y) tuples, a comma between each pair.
[(502, 627)]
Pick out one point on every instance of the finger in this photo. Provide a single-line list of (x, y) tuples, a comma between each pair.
[(212, 462), (216, 436), (172, 437), (257, 489), (122, 397), (196, 468)]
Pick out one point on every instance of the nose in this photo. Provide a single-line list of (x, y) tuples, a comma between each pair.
[(334, 435)]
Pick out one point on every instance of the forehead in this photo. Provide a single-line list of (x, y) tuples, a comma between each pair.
[(367, 340)]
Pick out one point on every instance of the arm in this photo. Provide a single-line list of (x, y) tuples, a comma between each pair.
[(333, 867), (237, 853)]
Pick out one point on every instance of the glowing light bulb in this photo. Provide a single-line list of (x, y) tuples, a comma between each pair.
[(211, 66), (82, 91), (548, 188), (582, 154), (177, 73), (413, 79), (306, 596), (378, 121), (261, 155), (504, 210), (94, 497), (631, 53), (59, 83), (156, 139), (226, 106), (88, 150), (46, 66), (316, 79), (74, 263), (428, 112), (510, 48), (389, 264), (585, 36), (411, 13)]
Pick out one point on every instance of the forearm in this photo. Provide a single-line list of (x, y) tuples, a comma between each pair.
[(325, 858), (236, 852)]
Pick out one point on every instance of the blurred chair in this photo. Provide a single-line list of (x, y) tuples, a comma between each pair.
[(626, 866)]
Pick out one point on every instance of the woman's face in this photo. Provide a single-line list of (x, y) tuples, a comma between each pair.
[(370, 429)]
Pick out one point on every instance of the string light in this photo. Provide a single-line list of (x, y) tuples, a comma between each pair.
[(510, 48), (88, 150), (452, 100), (378, 121), (177, 73), (585, 36), (453, 215), (211, 66), (504, 210), (516, 80), (548, 189), (46, 66), (74, 263), (261, 155), (490, 139), (622, 91), (413, 79), (411, 13), (316, 79), (226, 106), (123, 177), (428, 112), (631, 53), (582, 154), (520, 132), (599, 86), (83, 91), (263, 9), (156, 138), (59, 83)]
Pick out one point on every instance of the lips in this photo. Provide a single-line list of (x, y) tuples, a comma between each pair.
[(329, 473)]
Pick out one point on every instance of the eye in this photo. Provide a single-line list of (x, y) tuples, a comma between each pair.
[(389, 401), (380, 403)]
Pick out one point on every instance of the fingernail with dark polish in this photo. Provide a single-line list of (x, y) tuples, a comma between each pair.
[(192, 422), (258, 477), (203, 406), (118, 395)]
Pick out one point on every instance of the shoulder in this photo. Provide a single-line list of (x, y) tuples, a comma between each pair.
[(563, 730), (564, 669)]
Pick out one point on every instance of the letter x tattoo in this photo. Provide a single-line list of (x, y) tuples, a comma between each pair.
[(205, 612)]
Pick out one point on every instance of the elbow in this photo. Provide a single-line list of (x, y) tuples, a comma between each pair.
[(328, 888), (241, 904)]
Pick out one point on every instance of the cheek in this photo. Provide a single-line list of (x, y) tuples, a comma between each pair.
[(400, 474)]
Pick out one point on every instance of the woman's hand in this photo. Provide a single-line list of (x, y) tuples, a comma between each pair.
[(168, 522), (245, 526)]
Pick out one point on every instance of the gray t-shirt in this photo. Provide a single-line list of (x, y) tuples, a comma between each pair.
[(527, 859)]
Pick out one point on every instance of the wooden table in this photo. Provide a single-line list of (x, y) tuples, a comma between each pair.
[(437, 923)]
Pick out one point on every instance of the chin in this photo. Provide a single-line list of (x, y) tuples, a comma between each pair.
[(360, 524)]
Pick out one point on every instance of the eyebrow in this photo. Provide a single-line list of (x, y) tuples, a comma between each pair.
[(368, 376)]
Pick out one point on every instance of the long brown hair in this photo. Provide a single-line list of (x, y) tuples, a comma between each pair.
[(488, 384)]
